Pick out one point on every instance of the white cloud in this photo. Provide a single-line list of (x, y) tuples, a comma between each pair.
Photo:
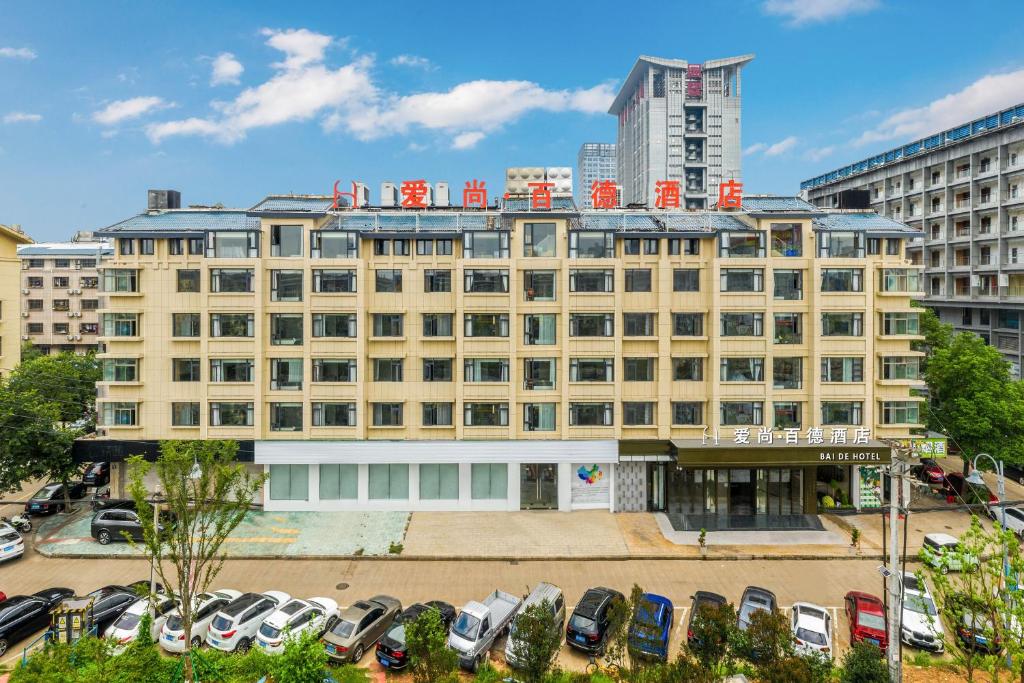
[(18, 53), (303, 87), (414, 61), (773, 150), (22, 117), (124, 110), (819, 153), (986, 95), (226, 70), (800, 12), (467, 140)]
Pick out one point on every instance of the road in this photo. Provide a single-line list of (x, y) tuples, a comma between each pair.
[(821, 582)]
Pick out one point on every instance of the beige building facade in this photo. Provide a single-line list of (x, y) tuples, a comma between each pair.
[(60, 294), (461, 359), (10, 272)]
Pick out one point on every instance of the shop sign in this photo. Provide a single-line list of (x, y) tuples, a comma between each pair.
[(591, 485), (849, 457), (791, 437), (926, 447)]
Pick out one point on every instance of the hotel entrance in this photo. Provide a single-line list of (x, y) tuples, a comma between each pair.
[(737, 492), (538, 486)]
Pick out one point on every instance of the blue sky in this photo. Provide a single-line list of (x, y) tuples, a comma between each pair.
[(229, 102)]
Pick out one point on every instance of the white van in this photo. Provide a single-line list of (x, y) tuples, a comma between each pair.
[(543, 591)]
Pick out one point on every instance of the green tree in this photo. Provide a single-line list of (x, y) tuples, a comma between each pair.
[(304, 660), (66, 379), (937, 334), (766, 640), (536, 639), (714, 628), (620, 617), (974, 401), (430, 659), (30, 351), (206, 495), (863, 663)]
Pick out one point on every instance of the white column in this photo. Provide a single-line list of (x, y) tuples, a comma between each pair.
[(414, 486), (465, 486), (363, 489), (564, 486), (513, 486)]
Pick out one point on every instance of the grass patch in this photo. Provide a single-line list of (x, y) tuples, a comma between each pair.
[(395, 549)]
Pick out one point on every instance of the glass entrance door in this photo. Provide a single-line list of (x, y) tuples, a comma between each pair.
[(538, 487), (741, 492)]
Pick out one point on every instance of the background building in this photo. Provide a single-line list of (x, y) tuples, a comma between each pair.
[(60, 293), (679, 121), (595, 161), (468, 359), (963, 189), (10, 322)]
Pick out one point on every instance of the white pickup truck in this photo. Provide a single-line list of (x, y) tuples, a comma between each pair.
[(479, 624)]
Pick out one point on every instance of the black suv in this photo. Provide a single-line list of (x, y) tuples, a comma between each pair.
[(701, 600), (587, 629), (50, 498)]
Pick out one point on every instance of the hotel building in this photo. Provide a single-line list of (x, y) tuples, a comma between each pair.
[(512, 358)]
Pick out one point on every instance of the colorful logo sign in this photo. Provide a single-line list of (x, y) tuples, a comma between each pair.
[(591, 476)]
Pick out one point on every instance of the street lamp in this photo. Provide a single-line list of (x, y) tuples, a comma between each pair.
[(975, 478)]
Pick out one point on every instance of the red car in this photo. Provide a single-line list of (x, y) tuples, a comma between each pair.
[(929, 471), (866, 615), (957, 488)]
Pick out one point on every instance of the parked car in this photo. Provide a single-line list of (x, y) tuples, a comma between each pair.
[(701, 600), (755, 600), (116, 525), (973, 628), (101, 500), (97, 474), (361, 625), (479, 624), (587, 629), (234, 627), (928, 471), (542, 593), (125, 628), (392, 650), (1014, 472), (108, 604), (12, 545), (955, 486), (1014, 518), (50, 498), (23, 615), (921, 625), (812, 628), (293, 619), (866, 616), (651, 627), (943, 552), (205, 608)]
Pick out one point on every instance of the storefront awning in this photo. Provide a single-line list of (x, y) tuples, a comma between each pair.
[(645, 450), (698, 453)]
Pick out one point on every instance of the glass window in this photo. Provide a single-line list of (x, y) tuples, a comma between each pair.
[(787, 373), (591, 244), (437, 369), (789, 285), (231, 369), (638, 413), (900, 412), (650, 245), (439, 481), (842, 280), (539, 417), (841, 412), (381, 247), (842, 324), (742, 280), (387, 369), (424, 247), (789, 328), (638, 324), (786, 239), (333, 244), (786, 415), (175, 246), (591, 370), (146, 246), (591, 325), (125, 246), (638, 279), (119, 414), (195, 246), (334, 369), (286, 285), (687, 324), (339, 482), (387, 414), (900, 280), (120, 280), (539, 373), (486, 370), (539, 285), (389, 482), (687, 369), (188, 281), (185, 370), (286, 417), (231, 414), (901, 367), (334, 325), (285, 329), (742, 370), (591, 280), (489, 481), (334, 281), (892, 246), (184, 414), (437, 325), (741, 244), (590, 414), (837, 244), (184, 324), (687, 413), (289, 482), (486, 324), (842, 369), (686, 280), (437, 281), (437, 414), (286, 374), (388, 324), (539, 329), (485, 414), (539, 239), (901, 323), (490, 244), (400, 247), (742, 413), (638, 369), (286, 240), (120, 324), (478, 281), (233, 244), (120, 369), (231, 280), (689, 246), (742, 324), (388, 280), (631, 246)]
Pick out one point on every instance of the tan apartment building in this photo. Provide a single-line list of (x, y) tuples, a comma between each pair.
[(714, 365), (60, 294), (10, 271)]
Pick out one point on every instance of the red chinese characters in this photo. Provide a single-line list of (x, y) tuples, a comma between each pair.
[(666, 194), (540, 195), (475, 194), (414, 194), (604, 194), (730, 195)]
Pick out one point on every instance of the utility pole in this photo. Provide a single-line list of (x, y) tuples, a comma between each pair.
[(894, 651)]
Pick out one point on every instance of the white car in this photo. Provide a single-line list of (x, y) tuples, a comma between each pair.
[(295, 618), (812, 629), (1014, 518), (921, 624), (12, 545), (235, 625), (206, 606), (125, 628)]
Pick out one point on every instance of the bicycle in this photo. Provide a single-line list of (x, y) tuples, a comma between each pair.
[(608, 669)]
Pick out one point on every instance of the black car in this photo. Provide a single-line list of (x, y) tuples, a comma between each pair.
[(701, 600), (392, 651), (587, 629), (23, 615), (97, 474), (110, 602), (115, 524), (50, 498)]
